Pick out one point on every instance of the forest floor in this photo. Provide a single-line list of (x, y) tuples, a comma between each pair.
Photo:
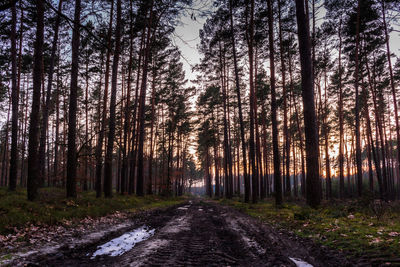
[(52, 221), (196, 233), (365, 229)]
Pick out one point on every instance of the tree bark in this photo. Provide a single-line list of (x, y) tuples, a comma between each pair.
[(99, 146), (285, 114), (357, 107), (245, 174), (113, 98), (140, 174), (313, 187), (275, 131), (15, 102), (45, 112), (33, 171), (73, 101)]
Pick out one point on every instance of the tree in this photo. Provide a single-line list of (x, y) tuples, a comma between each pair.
[(111, 127), (140, 175), (15, 102), (275, 133), (33, 171), (307, 83), (99, 146), (73, 99), (45, 111), (239, 101), (357, 107)]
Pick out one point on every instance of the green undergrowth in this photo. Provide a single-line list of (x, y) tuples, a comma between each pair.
[(358, 228), (53, 207)]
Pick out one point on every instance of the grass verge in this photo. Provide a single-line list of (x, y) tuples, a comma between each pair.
[(52, 207), (354, 227)]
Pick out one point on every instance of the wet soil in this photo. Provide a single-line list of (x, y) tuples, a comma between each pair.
[(199, 233)]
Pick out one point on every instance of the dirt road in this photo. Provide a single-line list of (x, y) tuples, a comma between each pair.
[(195, 234)]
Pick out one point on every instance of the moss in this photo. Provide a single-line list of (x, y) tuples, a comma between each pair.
[(348, 226), (52, 207)]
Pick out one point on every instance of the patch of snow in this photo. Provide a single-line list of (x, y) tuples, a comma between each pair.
[(300, 263), (182, 208), (124, 243), (200, 209)]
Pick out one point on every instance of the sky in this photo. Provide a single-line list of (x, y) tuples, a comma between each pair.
[(186, 35)]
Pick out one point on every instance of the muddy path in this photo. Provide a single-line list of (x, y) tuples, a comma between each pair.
[(198, 233)]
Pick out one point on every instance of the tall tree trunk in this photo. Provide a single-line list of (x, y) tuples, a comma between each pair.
[(237, 82), (126, 143), (379, 131), (285, 114), (340, 107), (45, 112), (140, 174), (73, 101), (99, 146), (275, 133), (15, 101), (152, 121), (22, 179), (357, 107), (33, 171), (4, 163), (227, 174), (252, 155), (113, 99), (216, 170), (326, 137), (87, 146), (55, 173), (23, 127), (230, 160), (307, 83)]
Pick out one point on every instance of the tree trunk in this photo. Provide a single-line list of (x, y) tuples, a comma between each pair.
[(307, 83), (126, 143), (73, 99), (15, 102), (152, 121), (113, 99), (252, 155), (45, 112), (140, 174), (245, 175), (99, 146), (33, 171), (55, 173), (357, 107), (340, 107), (275, 133), (285, 114)]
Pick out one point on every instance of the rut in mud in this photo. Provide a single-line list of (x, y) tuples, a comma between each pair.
[(199, 234)]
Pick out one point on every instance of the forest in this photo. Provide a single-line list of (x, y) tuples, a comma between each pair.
[(288, 114)]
